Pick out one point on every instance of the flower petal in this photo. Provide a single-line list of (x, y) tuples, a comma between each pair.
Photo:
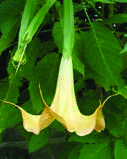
[(35, 123), (100, 122)]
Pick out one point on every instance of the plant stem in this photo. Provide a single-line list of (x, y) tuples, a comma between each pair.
[(68, 30)]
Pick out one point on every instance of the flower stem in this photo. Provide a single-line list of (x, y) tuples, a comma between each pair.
[(68, 30)]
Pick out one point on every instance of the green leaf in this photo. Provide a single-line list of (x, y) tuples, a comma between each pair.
[(88, 102), (58, 36), (96, 151), (10, 11), (37, 20), (9, 30), (35, 96), (123, 92), (58, 126), (77, 7), (38, 141), (45, 49), (7, 26), (30, 30), (121, 1), (114, 111), (46, 72), (117, 19), (9, 114), (78, 65), (79, 85), (10, 8), (28, 13), (3, 87), (74, 154), (124, 136), (92, 138), (103, 1), (109, 1), (33, 50), (120, 150), (113, 123), (103, 53), (99, 80)]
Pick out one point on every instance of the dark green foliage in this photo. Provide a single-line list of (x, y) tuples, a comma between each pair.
[(120, 150), (37, 141), (99, 71)]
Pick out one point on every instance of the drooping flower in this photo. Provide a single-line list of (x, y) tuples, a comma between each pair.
[(35, 123), (65, 106)]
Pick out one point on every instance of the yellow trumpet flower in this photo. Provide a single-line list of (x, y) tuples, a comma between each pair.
[(64, 104), (64, 108)]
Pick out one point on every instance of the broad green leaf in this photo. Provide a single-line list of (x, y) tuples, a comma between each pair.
[(123, 91), (10, 8), (121, 1), (3, 87), (124, 136), (103, 53), (77, 7), (10, 13), (27, 105), (58, 36), (37, 141), (8, 114), (35, 96), (65, 150), (114, 111), (88, 102), (45, 49), (104, 1), (58, 126), (92, 138), (9, 30), (46, 72), (8, 25), (78, 65), (109, 1), (33, 51), (79, 85), (96, 151), (113, 123), (117, 19), (74, 154), (120, 150), (99, 80), (24, 133)]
